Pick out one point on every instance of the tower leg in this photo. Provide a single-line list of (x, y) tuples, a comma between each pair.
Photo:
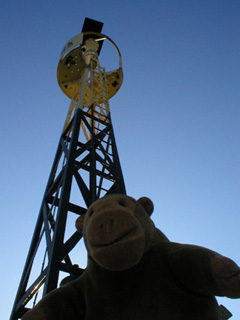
[(95, 167)]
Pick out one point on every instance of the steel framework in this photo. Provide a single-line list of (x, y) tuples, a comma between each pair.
[(86, 158)]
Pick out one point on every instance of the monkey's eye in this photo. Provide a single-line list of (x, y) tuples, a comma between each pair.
[(91, 213), (122, 203)]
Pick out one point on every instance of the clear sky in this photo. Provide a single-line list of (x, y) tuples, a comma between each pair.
[(176, 117)]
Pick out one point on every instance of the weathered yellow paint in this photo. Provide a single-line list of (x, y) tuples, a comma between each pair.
[(87, 84), (71, 66)]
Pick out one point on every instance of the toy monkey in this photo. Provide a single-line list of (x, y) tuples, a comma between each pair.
[(135, 273)]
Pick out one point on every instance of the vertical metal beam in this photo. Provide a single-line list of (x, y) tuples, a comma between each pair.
[(92, 175), (57, 242)]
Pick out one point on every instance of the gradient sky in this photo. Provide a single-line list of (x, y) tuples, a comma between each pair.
[(176, 117)]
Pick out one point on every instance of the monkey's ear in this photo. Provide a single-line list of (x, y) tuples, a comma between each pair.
[(147, 204), (79, 223)]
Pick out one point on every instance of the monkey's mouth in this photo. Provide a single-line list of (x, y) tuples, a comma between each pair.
[(118, 239)]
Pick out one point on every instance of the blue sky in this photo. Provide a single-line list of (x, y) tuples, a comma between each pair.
[(176, 117)]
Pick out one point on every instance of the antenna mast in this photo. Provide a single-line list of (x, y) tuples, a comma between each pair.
[(86, 165)]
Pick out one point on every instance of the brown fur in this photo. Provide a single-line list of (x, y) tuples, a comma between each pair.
[(135, 273)]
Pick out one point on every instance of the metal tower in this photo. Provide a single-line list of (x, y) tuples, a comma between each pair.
[(86, 166)]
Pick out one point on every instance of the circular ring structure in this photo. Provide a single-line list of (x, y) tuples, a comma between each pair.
[(72, 64)]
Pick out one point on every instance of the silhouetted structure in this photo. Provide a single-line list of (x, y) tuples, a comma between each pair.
[(86, 166)]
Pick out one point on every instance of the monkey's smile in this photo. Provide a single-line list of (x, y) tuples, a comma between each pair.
[(115, 240)]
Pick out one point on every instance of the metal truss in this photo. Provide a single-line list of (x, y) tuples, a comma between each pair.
[(86, 167)]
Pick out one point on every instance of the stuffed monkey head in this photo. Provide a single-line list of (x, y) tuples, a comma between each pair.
[(117, 230)]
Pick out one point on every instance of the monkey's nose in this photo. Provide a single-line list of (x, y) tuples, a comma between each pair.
[(107, 227)]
